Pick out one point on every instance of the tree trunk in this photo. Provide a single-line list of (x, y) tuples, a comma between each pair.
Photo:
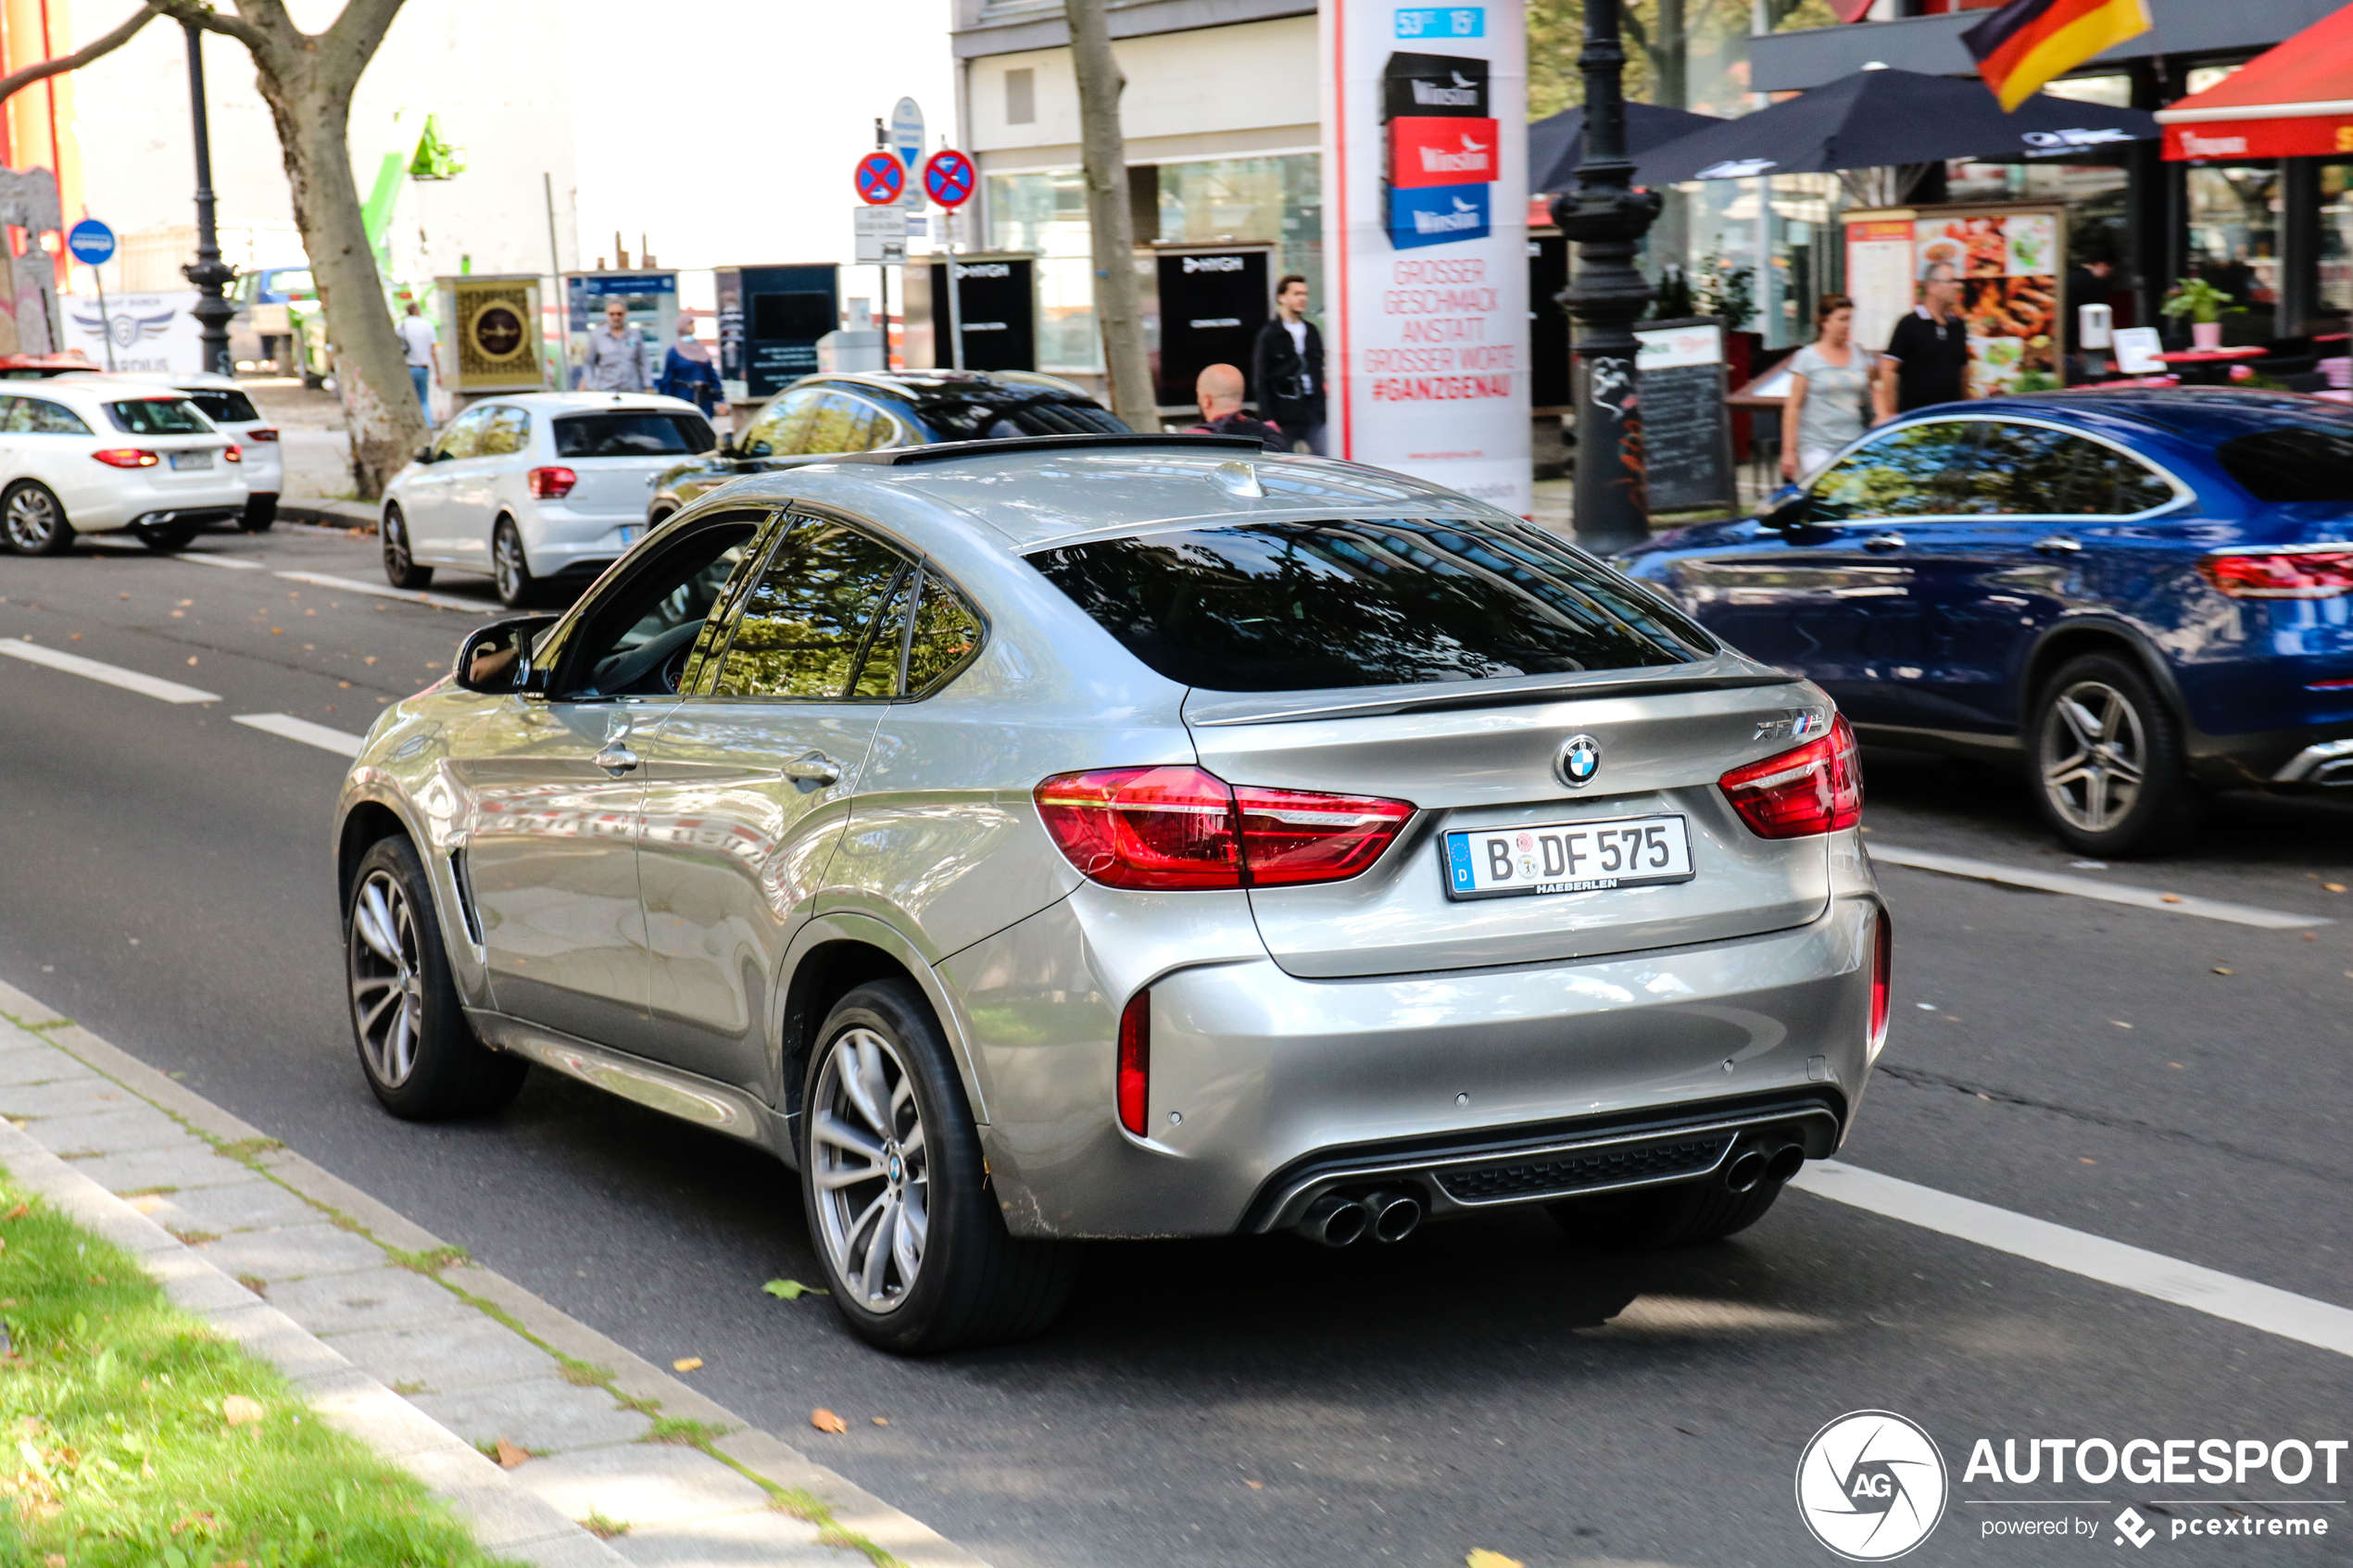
[(1119, 302)]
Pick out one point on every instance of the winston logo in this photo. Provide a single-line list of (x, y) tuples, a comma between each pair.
[(1463, 216), (1458, 92), (1471, 158), (1872, 1486)]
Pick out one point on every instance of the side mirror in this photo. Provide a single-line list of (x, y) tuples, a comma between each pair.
[(1789, 511), (496, 659), (425, 454), (757, 449)]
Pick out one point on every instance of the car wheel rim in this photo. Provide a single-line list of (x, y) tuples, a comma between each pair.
[(395, 543), (2095, 755), (387, 986), (509, 565), (32, 519), (870, 1169)]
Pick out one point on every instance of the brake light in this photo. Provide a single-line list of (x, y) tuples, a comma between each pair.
[(1135, 1070), (126, 458), (1178, 828), (552, 484), (2286, 574), (1882, 968), (261, 432), (1813, 789), (234, 455)]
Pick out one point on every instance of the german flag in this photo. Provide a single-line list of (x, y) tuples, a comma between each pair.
[(2028, 43)]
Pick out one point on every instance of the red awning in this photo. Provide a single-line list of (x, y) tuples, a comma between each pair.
[(2293, 101)]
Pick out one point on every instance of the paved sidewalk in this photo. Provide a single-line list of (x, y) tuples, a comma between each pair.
[(398, 1340)]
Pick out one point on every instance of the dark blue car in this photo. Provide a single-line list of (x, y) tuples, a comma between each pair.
[(2148, 594)]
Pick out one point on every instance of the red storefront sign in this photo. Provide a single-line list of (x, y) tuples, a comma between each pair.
[(1431, 150), (2293, 101), (2303, 136)]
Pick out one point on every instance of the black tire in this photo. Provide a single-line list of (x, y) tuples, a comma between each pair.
[(510, 567), (974, 1283), (400, 569), (165, 538), (261, 512), (2093, 800), (33, 521), (1654, 1219), (440, 1070)]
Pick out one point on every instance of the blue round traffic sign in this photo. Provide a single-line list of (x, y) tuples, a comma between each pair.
[(881, 178), (91, 242), (949, 177)]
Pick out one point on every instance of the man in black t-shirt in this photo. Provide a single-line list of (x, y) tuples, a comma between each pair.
[(1927, 351)]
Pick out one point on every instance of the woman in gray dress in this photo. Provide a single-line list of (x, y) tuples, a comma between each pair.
[(1830, 394)]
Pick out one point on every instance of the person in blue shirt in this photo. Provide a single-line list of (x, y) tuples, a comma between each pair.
[(687, 369)]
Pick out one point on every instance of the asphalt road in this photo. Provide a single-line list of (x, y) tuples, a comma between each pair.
[(2170, 1082)]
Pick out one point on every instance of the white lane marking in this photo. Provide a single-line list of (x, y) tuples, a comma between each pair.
[(340, 742), (112, 674), (232, 562), (2095, 1257), (2085, 887), (384, 590)]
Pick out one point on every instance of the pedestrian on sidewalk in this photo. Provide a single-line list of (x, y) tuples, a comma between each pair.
[(616, 356), (1287, 366), (1928, 352), (687, 369), (418, 340), (1219, 391), (1829, 393)]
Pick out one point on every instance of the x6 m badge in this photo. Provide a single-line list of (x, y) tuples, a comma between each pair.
[(1579, 759)]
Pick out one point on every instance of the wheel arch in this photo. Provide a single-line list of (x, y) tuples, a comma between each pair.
[(834, 955), (2074, 638), (367, 823)]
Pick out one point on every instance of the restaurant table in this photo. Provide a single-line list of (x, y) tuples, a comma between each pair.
[(2208, 367)]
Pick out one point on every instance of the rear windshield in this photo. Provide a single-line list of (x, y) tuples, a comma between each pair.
[(1278, 606), (2292, 463), (632, 435), (158, 415), (226, 407), (962, 420)]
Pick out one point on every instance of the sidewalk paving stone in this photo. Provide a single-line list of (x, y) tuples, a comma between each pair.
[(124, 1130), (45, 1064), (367, 1299), (64, 1096), (443, 1358), (261, 1330), (766, 1539), (258, 1204), (165, 1167), (543, 1415), (294, 1252), (640, 1484)]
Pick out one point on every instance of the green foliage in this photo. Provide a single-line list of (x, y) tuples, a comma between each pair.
[(1721, 289), (1658, 47), (122, 1454), (2198, 299)]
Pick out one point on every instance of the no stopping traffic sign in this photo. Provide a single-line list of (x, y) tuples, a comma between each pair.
[(948, 178), (880, 179)]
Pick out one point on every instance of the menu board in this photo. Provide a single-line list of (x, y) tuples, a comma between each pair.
[(2010, 260), (1687, 429)]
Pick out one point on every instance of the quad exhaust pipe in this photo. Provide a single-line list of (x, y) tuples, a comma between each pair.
[(1339, 1220), (1756, 1165)]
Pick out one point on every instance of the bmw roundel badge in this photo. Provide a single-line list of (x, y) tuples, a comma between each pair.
[(1579, 759)]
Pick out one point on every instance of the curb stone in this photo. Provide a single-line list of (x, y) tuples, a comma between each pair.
[(352, 1308)]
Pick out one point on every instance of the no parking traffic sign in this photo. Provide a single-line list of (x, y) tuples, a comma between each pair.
[(948, 178), (880, 179)]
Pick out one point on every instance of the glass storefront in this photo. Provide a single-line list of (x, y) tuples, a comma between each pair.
[(2337, 239), (2235, 231)]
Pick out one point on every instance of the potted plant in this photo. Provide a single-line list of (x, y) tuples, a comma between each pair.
[(2204, 304)]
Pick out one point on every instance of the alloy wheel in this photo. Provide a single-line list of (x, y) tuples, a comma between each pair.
[(870, 1169), (387, 982), (31, 520), (2093, 756), (397, 544), (508, 565)]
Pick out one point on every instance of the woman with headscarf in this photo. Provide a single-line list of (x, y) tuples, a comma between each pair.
[(687, 369)]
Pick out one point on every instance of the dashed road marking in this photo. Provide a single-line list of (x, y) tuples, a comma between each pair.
[(2086, 888), (232, 562), (112, 674), (343, 743), (385, 591)]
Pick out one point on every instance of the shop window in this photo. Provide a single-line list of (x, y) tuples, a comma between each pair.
[(2235, 229)]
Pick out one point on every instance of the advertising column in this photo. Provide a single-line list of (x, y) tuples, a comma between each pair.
[(1425, 242)]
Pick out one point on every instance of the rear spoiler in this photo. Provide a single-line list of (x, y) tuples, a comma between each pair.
[(1290, 707)]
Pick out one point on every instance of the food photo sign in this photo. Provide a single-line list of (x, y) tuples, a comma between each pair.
[(2010, 260)]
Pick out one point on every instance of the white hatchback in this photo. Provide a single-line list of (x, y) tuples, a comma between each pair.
[(90, 455), (535, 486)]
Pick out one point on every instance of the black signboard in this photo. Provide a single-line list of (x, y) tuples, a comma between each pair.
[(1687, 429), (1212, 305), (1548, 385), (997, 299), (770, 320), (1421, 86)]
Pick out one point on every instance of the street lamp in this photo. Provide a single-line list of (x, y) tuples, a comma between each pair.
[(1607, 219), (208, 273)]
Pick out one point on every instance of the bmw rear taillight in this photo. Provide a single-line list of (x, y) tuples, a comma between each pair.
[(552, 484), (126, 458), (1816, 788), (1135, 1070), (261, 432), (1882, 968), (2281, 574), (1182, 828)]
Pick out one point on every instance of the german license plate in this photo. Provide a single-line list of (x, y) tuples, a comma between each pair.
[(630, 531), (192, 459), (1567, 857)]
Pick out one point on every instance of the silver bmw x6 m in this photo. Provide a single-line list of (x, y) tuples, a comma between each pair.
[(1128, 836)]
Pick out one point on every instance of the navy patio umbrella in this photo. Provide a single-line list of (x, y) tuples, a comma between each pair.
[(1556, 143), (1890, 117)]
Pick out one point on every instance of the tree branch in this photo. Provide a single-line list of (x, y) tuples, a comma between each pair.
[(202, 14), (11, 85), (359, 29)]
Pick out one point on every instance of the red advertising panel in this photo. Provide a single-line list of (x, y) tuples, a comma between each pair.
[(1428, 150)]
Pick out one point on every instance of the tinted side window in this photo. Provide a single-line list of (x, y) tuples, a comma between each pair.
[(807, 621), (226, 407), (15, 416), (784, 425), (946, 633), (54, 419), (839, 421), (2292, 463), (2115, 483), (631, 435), (2020, 469), (627, 638), (507, 433), (158, 415), (463, 438), (1909, 472)]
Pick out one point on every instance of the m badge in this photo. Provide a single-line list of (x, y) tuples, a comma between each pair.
[(1577, 760)]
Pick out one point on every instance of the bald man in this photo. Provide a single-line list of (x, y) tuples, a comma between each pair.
[(1219, 391)]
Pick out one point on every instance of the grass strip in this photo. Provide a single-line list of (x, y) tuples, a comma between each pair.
[(131, 1436)]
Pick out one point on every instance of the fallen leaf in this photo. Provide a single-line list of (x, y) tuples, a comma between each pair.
[(1255, 1486), (238, 1411), (2310, 937), (19, 1213), (2176, 1064), (1482, 1558), (2120, 1024), (791, 1289), (685, 1363), (827, 1421), (2334, 887), (2168, 898), (882, 1421), (2079, 1160), (2219, 970), (510, 1456)]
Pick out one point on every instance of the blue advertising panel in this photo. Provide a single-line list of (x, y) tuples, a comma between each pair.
[(1436, 215)]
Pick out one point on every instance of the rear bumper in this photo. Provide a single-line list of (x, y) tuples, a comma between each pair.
[(1267, 1089), (560, 539), (126, 508)]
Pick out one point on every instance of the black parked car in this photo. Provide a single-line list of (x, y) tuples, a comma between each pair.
[(841, 411)]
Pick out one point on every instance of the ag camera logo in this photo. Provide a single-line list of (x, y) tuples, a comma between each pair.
[(1872, 1486)]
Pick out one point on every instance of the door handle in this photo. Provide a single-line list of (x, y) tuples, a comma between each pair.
[(2058, 545), (616, 758), (816, 769), (1880, 544)]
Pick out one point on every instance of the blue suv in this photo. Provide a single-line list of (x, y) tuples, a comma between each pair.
[(2143, 596)]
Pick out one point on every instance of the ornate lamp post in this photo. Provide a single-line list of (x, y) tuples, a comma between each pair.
[(208, 273), (1608, 221)]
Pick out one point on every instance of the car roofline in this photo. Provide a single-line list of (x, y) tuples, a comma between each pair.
[(948, 451)]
